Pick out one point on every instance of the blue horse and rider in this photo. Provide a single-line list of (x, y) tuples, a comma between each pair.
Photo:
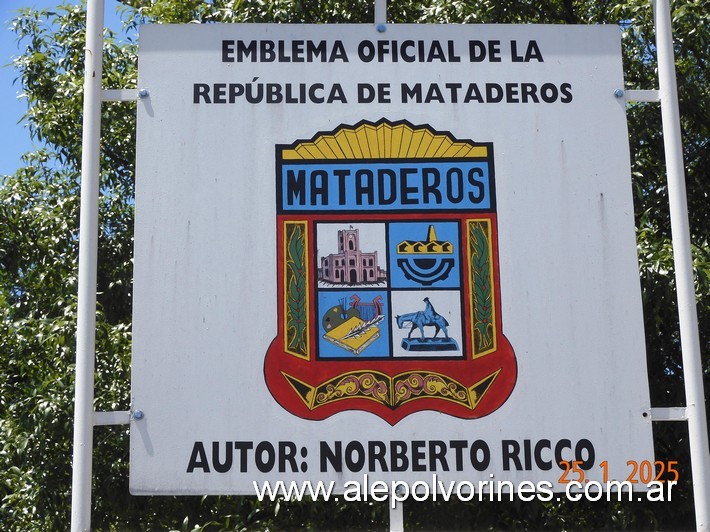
[(424, 318)]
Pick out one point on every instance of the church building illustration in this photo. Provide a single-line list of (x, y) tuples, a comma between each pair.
[(350, 265)]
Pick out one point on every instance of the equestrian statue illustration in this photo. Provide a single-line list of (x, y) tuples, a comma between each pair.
[(424, 318)]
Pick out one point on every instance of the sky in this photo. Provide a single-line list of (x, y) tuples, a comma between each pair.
[(14, 135)]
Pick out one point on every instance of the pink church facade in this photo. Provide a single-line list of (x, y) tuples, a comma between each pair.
[(350, 265)]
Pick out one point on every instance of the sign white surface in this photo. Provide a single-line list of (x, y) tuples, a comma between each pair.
[(545, 179)]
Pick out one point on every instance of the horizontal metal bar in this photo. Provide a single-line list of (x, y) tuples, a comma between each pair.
[(643, 96), (122, 417), (670, 413), (119, 95)]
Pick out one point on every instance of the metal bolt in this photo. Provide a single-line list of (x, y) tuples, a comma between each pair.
[(381, 28), (619, 93), (143, 93), (138, 415)]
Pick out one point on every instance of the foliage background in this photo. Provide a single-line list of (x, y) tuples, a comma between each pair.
[(39, 208)]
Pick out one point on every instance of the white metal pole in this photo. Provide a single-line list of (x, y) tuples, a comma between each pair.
[(396, 515), (687, 312), (380, 11), (88, 244)]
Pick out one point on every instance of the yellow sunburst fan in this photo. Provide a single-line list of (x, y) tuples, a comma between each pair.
[(383, 140)]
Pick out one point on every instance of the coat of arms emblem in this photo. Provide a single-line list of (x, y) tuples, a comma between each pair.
[(388, 285)]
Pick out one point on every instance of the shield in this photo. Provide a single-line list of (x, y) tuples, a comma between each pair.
[(388, 283)]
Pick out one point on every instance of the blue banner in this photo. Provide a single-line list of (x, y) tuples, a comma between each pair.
[(455, 185)]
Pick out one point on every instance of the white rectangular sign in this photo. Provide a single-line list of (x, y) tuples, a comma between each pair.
[(393, 254)]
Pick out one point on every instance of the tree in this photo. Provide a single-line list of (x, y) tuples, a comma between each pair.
[(38, 249)]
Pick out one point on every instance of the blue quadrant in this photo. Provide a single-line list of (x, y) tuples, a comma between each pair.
[(339, 306), (424, 270)]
